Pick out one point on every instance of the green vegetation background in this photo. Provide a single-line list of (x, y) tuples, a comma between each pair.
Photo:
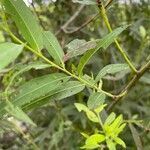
[(59, 123)]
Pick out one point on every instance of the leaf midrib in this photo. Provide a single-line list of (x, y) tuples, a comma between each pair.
[(25, 25), (38, 100), (39, 88), (60, 59), (103, 72)]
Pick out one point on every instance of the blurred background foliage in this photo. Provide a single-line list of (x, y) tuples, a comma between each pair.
[(59, 123)]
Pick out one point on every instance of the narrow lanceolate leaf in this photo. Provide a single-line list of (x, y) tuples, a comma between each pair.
[(120, 142), (95, 100), (65, 90), (85, 2), (78, 47), (111, 69), (111, 144), (53, 47), (110, 119), (38, 87), (117, 122), (109, 38), (102, 43), (84, 60), (35, 65), (91, 115), (145, 78), (18, 113), (80, 107), (136, 137), (25, 21), (24, 68), (38, 91), (8, 53), (68, 89), (75, 44)]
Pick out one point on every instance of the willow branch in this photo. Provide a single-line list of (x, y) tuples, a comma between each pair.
[(120, 49), (94, 17), (75, 15), (131, 84)]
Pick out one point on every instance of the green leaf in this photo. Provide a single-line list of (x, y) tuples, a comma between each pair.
[(18, 113), (145, 78), (84, 135), (109, 38), (80, 107), (100, 108), (25, 21), (78, 47), (136, 137), (24, 68), (63, 91), (115, 127), (90, 146), (93, 141), (84, 60), (120, 142), (111, 69), (117, 122), (110, 144), (91, 115), (85, 2), (142, 31), (66, 90), (88, 79), (110, 119), (36, 66), (53, 47), (120, 129), (95, 100), (38, 87), (75, 44), (102, 43), (8, 53)]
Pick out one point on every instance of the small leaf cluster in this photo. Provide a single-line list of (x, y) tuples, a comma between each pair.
[(109, 130)]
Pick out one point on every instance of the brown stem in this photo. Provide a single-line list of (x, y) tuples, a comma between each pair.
[(83, 25), (64, 27), (131, 84), (75, 15)]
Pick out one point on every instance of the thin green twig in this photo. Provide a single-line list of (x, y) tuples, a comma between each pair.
[(60, 68), (122, 52)]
